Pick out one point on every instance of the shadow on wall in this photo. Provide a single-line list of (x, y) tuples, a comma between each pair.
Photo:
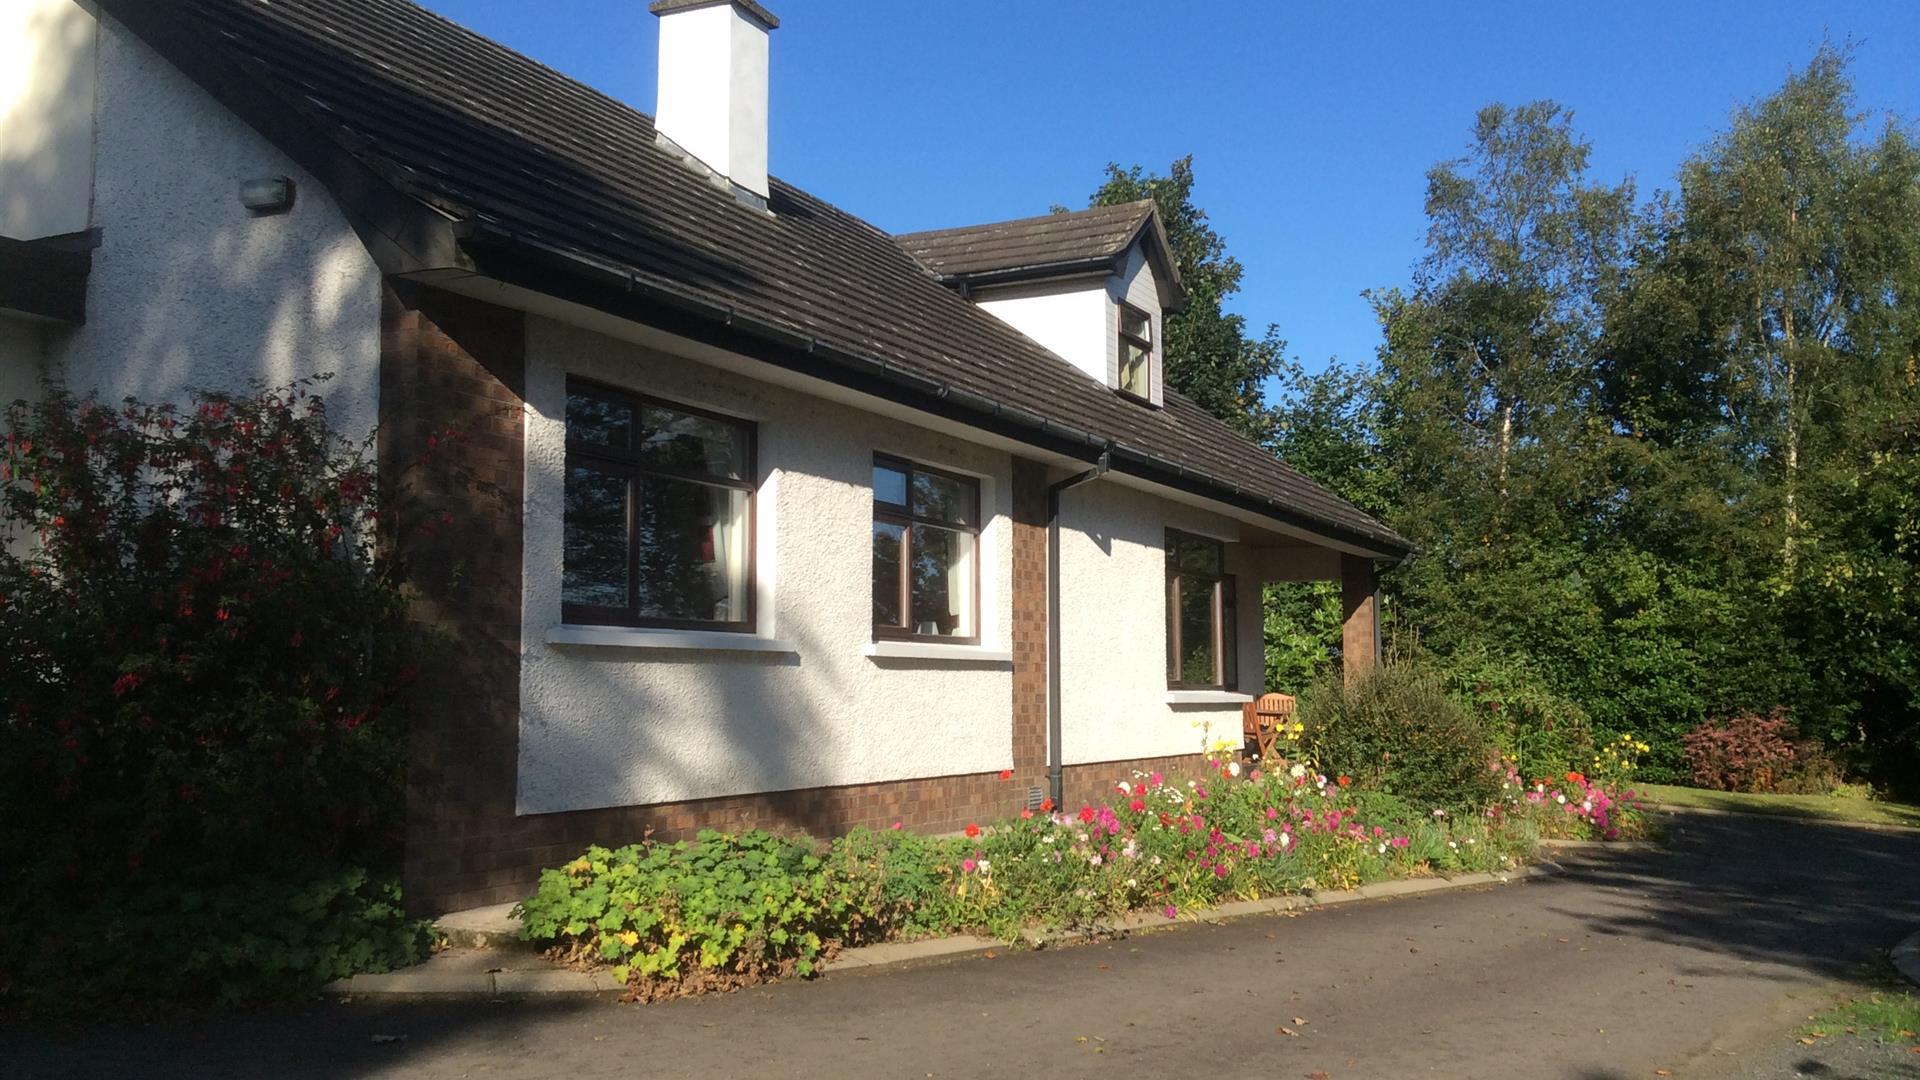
[(46, 118)]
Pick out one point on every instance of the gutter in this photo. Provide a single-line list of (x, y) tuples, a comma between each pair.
[(618, 291), (1056, 757)]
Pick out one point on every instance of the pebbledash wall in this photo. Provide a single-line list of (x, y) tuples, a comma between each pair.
[(625, 724), (188, 289)]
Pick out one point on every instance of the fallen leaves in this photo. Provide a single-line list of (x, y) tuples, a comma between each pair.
[(1288, 1032)]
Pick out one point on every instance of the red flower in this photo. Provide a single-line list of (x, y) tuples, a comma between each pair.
[(1575, 778), (972, 829), (126, 684), (1006, 774), (297, 638), (1026, 815), (1046, 804), (1086, 813), (1138, 806), (1345, 780)]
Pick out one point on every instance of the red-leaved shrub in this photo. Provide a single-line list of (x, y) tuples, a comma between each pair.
[(1743, 753)]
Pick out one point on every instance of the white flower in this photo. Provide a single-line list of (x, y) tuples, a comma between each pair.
[(1453, 845), (1155, 860), (1559, 798), (1297, 771), (1094, 859), (1587, 806), (1471, 840), (1126, 788), (1437, 812), (1233, 768), (1132, 884), (984, 866), (1381, 850), (1047, 839), (1286, 839)]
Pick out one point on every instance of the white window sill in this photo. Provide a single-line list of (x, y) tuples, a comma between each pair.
[(934, 650), (633, 637), (1206, 697)]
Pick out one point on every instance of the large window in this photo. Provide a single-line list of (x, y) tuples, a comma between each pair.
[(1136, 351), (658, 528), (926, 533), (1201, 644)]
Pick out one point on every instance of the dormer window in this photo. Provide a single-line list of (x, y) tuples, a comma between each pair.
[(1136, 352)]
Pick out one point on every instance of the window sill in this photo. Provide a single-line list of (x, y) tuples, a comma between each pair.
[(633, 637), (933, 650), (1206, 697)]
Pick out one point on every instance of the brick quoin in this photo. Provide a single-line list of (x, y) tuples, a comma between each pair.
[(452, 412)]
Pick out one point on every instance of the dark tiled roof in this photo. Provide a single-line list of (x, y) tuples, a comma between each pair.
[(1036, 243), (514, 150)]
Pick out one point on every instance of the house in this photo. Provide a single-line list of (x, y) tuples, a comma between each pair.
[(782, 520)]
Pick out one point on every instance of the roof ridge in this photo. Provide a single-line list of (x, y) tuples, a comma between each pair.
[(1142, 206)]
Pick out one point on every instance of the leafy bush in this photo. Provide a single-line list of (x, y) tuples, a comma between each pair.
[(1545, 733), (1742, 753), (1397, 730), (1759, 754), (207, 672)]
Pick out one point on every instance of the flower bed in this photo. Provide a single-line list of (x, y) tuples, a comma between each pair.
[(727, 910)]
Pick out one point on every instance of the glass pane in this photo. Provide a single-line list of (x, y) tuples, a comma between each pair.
[(1194, 555), (889, 484), (671, 439), (943, 498), (1136, 324), (593, 561), (887, 539), (693, 551), (598, 419), (942, 582), (1133, 369), (1196, 633)]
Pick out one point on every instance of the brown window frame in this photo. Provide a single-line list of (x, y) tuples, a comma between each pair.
[(904, 517), (627, 462), (1225, 612), (1144, 344)]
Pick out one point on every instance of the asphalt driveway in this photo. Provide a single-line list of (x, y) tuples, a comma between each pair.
[(1698, 959)]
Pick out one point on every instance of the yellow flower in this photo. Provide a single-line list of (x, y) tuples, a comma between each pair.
[(630, 939)]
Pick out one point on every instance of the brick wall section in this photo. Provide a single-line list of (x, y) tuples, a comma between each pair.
[(453, 364), (1091, 785), (1360, 608), (1030, 622)]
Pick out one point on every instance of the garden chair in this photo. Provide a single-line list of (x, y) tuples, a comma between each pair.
[(1260, 721)]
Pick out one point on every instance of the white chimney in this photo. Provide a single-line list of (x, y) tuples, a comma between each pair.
[(713, 87)]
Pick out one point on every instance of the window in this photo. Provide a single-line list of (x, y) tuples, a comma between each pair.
[(926, 533), (1136, 351), (1201, 644), (658, 519)]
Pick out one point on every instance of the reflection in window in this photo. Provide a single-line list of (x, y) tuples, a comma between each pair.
[(926, 527), (1136, 351), (658, 514), (1201, 643)]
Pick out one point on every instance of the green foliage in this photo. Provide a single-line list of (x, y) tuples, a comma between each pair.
[(1208, 354), (208, 673), (1303, 623), (728, 910), (1397, 730), (1544, 733), (1659, 460)]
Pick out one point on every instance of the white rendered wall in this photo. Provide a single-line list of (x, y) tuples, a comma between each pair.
[(1113, 654), (46, 117), (607, 726), (188, 289), (1071, 319), (1135, 285)]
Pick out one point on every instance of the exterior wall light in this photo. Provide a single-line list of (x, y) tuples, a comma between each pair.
[(267, 194)]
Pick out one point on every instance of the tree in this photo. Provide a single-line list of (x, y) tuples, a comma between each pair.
[(1207, 352)]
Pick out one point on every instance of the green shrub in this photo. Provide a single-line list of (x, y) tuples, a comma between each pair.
[(726, 909), (1397, 730), (1545, 733), (207, 670)]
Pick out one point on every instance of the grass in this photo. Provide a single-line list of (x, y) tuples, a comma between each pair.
[(1851, 808), (1890, 1014)]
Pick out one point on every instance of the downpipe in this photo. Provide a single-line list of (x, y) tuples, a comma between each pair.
[(1056, 759)]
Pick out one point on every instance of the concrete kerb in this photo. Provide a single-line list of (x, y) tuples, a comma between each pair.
[(1906, 958), (492, 975)]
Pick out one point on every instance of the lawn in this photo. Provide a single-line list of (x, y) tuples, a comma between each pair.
[(1825, 807)]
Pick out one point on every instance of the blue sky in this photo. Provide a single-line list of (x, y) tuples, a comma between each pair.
[(1312, 125)]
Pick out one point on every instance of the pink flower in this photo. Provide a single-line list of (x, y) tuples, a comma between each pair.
[(895, 825), (967, 865), (1169, 911)]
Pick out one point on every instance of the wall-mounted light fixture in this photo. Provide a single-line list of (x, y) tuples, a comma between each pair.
[(267, 194)]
